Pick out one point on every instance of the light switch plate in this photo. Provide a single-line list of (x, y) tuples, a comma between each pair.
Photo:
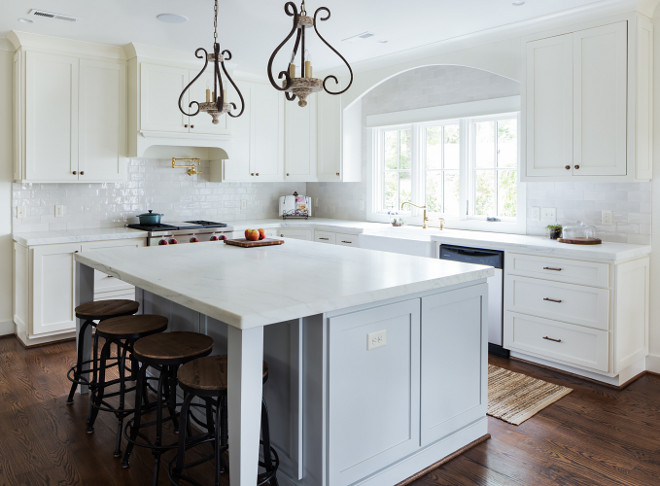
[(20, 212), (243, 203), (607, 217), (549, 215), (59, 210)]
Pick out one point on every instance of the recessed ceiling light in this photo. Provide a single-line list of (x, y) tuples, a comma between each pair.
[(26, 21), (518, 3), (170, 18)]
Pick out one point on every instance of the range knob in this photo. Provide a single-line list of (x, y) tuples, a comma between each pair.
[(194, 239), (223, 237), (214, 238), (162, 242), (173, 241)]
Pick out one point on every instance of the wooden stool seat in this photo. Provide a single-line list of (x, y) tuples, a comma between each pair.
[(207, 373), (173, 346), (132, 327), (105, 309)]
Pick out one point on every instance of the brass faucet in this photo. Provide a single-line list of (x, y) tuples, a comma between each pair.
[(420, 207)]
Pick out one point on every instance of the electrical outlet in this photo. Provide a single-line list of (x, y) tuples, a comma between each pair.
[(607, 217), (536, 213), (20, 212), (243, 203), (548, 215), (59, 210), (376, 339)]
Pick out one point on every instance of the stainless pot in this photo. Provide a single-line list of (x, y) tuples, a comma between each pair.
[(150, 218)]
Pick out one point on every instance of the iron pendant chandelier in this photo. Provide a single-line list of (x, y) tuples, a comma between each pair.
[(216, 101), (301, 87)]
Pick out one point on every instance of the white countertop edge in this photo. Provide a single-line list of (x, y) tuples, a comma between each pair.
[(77, 236)]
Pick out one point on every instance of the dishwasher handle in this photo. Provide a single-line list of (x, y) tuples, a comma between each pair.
[(466, 254)]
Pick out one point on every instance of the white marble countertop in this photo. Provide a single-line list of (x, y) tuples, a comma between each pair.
[(607, 252), (77, 236), (252, 287)]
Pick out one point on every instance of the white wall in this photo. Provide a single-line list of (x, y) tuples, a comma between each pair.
[(6, 134)]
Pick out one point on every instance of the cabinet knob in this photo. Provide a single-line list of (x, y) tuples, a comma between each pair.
[(192, 126), (257, 174), (185, 125), (75, 172), (567, 167), (337, 173), (252, 173), (82, 172), (287, 174), (577, 166)]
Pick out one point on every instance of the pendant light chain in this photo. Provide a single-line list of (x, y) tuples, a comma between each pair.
[(303, 12), (215, 22)]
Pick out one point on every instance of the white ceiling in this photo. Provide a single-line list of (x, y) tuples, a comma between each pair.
[(252, 29)]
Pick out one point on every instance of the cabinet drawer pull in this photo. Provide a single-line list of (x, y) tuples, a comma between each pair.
[(548, 299), (323, 238), (192, 126), (577, 166), (336, 173), (348, 242), (554, 269), (552, 339), (82, 172), (567, 167), (75, 172)]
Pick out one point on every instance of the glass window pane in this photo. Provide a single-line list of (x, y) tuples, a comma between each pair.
[(405, 187), (434, 148), (391, 149), (391, 191), (484, 204), (507, 143), (507, 193), (484, 149), (406, 149), (452, 147), (434, 191), (451, 193)]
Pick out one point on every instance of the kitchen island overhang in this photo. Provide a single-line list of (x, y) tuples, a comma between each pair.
[(329, 299)]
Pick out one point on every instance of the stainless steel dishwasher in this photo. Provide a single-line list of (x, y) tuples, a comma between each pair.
[(494, 258)]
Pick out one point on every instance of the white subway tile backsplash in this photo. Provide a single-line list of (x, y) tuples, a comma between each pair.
[(151, 184)]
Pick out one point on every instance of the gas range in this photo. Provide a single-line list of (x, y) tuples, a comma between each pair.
[(184, 232)]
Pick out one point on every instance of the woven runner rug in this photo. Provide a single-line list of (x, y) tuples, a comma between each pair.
[(514, 397)]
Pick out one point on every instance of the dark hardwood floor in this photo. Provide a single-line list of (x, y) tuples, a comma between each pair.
[(594, 436)]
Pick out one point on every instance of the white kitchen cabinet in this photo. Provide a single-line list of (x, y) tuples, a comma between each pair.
[(334, 238), (300, 141), (589, 318), (584, 103), (337, 141), (297, 233), (70, 114), (160, 88), (257, 139), (451, 324), (44, 283), (374, 380)]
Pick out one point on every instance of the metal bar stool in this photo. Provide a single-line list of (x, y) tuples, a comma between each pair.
[(122, 331), (164, 353), (90, 312), (206, 378)]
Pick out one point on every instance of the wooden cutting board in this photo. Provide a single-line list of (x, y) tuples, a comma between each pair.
[(580, 241), (243, 243)]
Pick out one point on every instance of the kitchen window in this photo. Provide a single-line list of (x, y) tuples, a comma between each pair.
[(464, 170)]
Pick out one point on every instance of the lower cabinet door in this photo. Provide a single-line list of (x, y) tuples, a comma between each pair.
[(53, 274), (373, 389), (454, 389)]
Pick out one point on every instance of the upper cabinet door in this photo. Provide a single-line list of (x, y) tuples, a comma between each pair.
[(51, 117), (600, 94), (102, 110), (160, 88), (300, 141), (549, 104), (329, 138), (266, 141)]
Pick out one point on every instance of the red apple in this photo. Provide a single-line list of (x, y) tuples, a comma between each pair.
[(252, 235), (262, 233), (246, 233)]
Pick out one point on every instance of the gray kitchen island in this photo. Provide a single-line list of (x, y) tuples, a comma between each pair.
[(378, 360)]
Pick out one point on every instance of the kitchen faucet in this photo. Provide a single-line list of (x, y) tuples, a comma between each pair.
[(420, 207)]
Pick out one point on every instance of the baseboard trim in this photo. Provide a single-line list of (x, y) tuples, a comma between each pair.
[(7, 328), (653, 363)]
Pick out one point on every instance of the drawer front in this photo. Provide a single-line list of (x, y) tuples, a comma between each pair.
[(556, 341), (559, 269), (346, 239), (575, 304), (107, 283), (298, 234), (324, 237)]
